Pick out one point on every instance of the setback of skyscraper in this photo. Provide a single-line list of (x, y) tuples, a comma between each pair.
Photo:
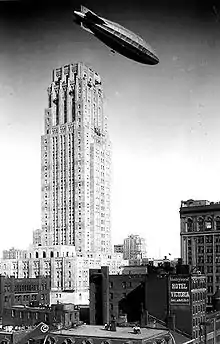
[(75, 188), (76, 163)]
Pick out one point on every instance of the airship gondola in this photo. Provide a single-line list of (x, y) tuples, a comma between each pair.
[(115, 36)]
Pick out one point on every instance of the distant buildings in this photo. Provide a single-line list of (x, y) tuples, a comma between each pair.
[(200, 240), (134, 247), (118, 249), (12, 253)]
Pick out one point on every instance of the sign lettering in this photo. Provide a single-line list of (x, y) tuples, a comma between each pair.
[(179, 291)]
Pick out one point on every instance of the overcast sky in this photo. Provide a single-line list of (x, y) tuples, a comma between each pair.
[(164, 120)]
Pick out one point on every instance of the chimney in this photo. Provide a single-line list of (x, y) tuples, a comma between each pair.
[(171, 322), (180, 261), (113, 325), (144, 318)]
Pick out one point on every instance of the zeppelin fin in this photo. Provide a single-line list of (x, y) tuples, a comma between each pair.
[(85, 28), (91, 15)]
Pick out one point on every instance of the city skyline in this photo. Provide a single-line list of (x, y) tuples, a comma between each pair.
[(163, 120)]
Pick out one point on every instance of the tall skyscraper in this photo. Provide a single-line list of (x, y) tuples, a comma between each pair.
[(76, 186), (200, 240), (76, 163)]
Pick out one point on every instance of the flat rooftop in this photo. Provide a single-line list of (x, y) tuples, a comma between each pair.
[(120, 333)]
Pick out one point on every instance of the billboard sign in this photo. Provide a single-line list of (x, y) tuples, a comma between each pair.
[(179, 291)]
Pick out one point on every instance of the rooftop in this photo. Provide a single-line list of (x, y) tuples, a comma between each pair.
[(197, 203), (120, 333)]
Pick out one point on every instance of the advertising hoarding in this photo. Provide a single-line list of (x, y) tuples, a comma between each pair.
[(179, 288)]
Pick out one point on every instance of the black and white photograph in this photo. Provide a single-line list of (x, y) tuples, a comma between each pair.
[(110, 198)]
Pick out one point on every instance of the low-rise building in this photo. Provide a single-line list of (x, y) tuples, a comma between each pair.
[(166, 294), (24, 291), (87, 334), (97, 335), (68, 272), (58, 315)]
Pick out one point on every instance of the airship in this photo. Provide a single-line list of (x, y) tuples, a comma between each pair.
[(117, 37)]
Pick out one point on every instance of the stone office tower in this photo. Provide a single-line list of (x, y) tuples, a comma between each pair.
[(76, 164), (200, 240)]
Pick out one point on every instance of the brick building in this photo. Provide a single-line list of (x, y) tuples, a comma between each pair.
[(69, 273), (106, 292), (58, 315), (24, 291), (187, 304), (176, 299)]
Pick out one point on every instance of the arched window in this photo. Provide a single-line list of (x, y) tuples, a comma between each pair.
[(51, 254), (159, 341), (30, 255), (36, 255), (200, 224), (57, 254), (50, 340), (189, 225), (208, 223), (5, 341), (217, 223), (44, 254), (105, 342), (87, 341)]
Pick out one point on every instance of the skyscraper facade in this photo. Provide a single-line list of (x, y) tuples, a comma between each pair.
[(200, 240), (76, 189), (76, 163)]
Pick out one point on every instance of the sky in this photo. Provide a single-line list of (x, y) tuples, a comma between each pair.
[(164, 120)]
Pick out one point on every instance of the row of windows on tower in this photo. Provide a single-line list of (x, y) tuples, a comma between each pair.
[(203, 224), (198, 320), (86, 92), (208, 239), (209, 249)]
